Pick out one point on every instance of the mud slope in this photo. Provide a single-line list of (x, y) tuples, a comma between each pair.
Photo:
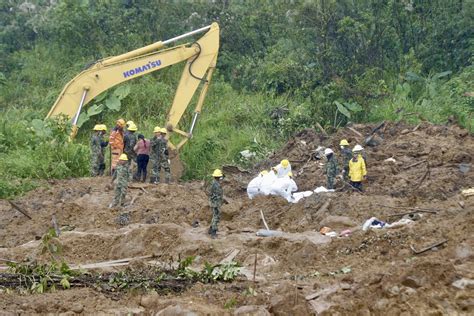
[(300, 273)]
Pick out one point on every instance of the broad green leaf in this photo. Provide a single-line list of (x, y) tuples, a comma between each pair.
[(83, 117), (342, 109), (411, 76), (354, 107), (122, 92), (101, 96), (442, 74), (95, 109), (113, 103), (37, 124)]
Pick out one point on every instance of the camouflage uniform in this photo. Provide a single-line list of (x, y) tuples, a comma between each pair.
[(331, 172), (129, 141), (346, 154), (123, 175), (159, 159), (97, 155), (215, 200)]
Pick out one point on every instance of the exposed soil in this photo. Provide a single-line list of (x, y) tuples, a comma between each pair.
[(299, 273)]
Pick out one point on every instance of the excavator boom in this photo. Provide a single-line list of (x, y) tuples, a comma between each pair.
[(200, 57)]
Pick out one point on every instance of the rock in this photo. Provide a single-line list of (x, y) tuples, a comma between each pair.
[(252, 310), (463, 284), (405, 131), (337, 221), (393, 291), (412, 281), (382, 304), (77, 308), (463, 251), (148, 300), (175, 310), (346, 286)]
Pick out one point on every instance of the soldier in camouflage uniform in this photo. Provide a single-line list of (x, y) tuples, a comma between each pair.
[(155, 144), (216, 197), (123, 175), (331, 168), (346, 154), (160, 157), (97, 150), (129, 142)]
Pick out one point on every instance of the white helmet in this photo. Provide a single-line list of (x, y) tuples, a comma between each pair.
[(328, 151), (357, 148)]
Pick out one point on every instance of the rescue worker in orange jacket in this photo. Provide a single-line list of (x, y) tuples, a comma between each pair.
[(116, 142)]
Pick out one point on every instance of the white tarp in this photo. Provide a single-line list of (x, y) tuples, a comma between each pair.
[(270, 184)]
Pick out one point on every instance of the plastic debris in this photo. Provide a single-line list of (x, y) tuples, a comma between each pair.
[(269, 233)]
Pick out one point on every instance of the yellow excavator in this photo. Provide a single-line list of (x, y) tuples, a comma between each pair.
[(200, 57)]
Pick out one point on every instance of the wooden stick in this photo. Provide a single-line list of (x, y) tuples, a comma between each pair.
[(7, 260), (414, 164), (263, 219), (355, 132), (55, 225), (255, 268), (321, 129), (143, 189), (22, 211), (110, 263), (423, 178), (419, 209), (414, 212), (417, 252)]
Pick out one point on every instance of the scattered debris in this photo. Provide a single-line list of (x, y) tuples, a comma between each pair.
[(417, 252)]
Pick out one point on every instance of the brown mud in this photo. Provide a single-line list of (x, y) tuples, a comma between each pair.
[(299, 273)]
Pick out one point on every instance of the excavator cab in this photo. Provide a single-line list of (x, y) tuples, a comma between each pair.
[(200, 57)]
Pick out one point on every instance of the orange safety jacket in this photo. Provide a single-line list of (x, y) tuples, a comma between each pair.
[(116, 146)]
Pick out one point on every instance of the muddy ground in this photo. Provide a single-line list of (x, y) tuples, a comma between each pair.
[(299, 273)]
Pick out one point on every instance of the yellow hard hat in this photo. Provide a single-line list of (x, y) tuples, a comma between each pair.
[(344, 142), (163, 131), (129, 123), (157, 129), (264, 172), (97, 127), (123, 157), (132, 127), (103, 127), (285, 163), (121, 122), (217, 173)]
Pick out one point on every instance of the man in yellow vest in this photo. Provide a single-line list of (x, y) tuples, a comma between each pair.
[(357, 169)]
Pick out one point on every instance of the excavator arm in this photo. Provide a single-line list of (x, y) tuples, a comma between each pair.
[(200, 57)]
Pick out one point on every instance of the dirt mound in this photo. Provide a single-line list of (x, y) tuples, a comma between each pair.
[(299, 272)]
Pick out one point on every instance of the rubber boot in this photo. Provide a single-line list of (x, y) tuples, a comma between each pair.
[(213, 234)]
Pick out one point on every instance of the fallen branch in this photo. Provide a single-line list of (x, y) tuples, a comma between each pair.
[(418, 209), (263, 219), (423, 178), (414, 164), (22, 211), (111, 263), (7, 260), (413, 212), (355, 132), (321, 129), (417, 252)]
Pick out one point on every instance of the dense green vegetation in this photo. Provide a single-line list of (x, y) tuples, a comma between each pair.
[(283, 66)]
